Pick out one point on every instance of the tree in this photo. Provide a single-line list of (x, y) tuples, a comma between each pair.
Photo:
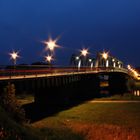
[(10, 103)]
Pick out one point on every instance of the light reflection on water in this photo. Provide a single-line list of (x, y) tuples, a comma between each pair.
[(136, 92)]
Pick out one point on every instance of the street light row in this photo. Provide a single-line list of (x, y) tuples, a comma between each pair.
[(132, 70), (50, 46), (89, 61)]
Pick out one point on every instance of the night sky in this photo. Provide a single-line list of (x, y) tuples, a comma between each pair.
[(111, 25)]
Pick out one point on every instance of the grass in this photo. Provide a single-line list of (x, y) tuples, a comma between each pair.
[(96, 121), (119, 97), (87, 121)]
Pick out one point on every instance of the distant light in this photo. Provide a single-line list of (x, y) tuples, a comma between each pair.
[(136, 73), (113, 59), (90, 60), (138, 93), (129, 67), (77, 57), (135, 93), (84, 52)]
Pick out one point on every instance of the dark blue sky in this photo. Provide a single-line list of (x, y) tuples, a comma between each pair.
[(112, 25)]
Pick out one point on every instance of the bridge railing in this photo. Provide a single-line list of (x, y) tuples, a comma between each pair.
[(17, 73)]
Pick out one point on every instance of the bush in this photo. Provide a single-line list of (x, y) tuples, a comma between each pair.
[(9, 102)]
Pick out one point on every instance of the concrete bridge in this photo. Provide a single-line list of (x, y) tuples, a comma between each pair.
[(63, 85)]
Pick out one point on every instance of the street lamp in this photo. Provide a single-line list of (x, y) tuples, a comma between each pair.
[(129, 67), (114, 63), (84, 52), (90, 60), (119, 64), (136, 74), (51, 44), (91, 63), (77, 57), (78, 61), (48, 58), (105, 57), (14, 55)]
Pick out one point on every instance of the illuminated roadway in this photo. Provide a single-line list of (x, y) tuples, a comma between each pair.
[(8, 74)]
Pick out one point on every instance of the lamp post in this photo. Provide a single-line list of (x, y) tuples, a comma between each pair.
[(91, 63), (48, 59), (51, 45), (79, 64), (114, 63), (105, 57), (84, 53), (119, 65), (14, 55)]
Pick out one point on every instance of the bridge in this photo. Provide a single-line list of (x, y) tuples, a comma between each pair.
[(85, 78), (79, 64), (13, 74)]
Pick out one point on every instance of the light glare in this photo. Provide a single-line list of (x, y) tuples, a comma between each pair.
[(51, 44), (14, 55), (84, 52), (105, 55), (48, 58)]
